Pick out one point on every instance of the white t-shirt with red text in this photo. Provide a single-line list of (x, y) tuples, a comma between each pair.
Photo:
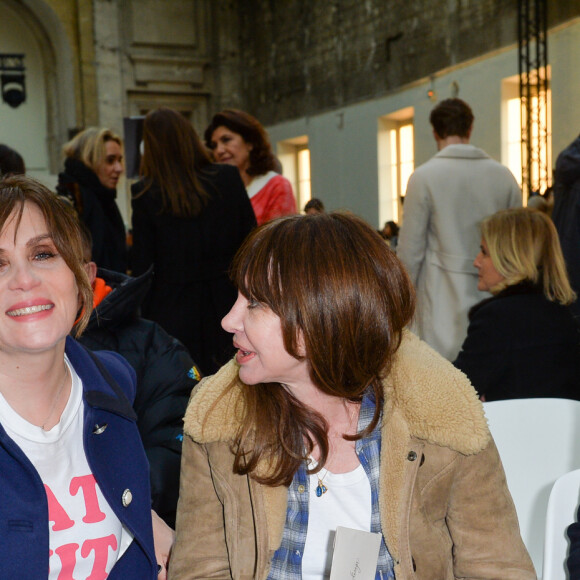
[(86, 537)]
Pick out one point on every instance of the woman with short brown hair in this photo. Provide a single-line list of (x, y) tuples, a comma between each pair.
[(333, 415)]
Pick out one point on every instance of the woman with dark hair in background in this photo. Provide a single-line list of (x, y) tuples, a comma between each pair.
[(314, 205), (92, 168), (390, 232), (189, 218), (11, 162), (333, 415), (238, 139), (523, 341)]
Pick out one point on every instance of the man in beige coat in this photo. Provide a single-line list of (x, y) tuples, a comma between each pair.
[(446, 199)]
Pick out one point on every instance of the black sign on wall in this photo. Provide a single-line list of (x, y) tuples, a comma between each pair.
[(12, 79)]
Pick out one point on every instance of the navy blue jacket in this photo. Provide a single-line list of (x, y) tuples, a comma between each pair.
[(115, 454), (521, 345)]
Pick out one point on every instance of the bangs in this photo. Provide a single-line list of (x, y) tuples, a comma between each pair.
[(257, 276), (11, 201), (275, 264)]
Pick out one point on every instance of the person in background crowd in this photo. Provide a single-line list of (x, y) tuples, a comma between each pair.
[(333, 415), (313, 206), (11, 162), (390, 232), (446, 199), (566, 212), (238, 139), (542, 202), (522, 342), (189, 218), (73, 474), (166, 374), (92, 168)]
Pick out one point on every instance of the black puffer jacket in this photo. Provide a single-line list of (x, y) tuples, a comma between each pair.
[(165, 376)]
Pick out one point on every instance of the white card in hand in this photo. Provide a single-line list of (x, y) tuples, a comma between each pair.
[(355, 555)]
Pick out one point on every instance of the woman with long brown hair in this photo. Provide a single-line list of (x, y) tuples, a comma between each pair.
[(333, 416), (237, 138), (189, 218)]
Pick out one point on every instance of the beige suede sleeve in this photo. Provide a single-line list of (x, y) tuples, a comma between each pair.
[(200, 547), (483, 524)]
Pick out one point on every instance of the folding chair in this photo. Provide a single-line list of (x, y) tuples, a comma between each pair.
[(538, 441)]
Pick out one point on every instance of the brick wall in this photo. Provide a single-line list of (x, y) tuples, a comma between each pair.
[(301, 57)]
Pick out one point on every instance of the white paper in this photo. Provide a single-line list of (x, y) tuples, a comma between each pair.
[(355, 555)]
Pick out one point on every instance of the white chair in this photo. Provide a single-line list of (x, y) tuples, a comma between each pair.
[(562, 508), (538, 441)]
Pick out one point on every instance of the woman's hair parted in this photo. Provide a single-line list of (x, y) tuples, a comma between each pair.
[(88, 146), (343, 295), (63, 227), (262, 158), (523, 245), (174, 157)]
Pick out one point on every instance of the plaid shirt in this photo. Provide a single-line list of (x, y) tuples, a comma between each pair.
[(287, 561)]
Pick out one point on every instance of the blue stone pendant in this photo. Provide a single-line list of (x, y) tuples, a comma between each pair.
[(321, 489)]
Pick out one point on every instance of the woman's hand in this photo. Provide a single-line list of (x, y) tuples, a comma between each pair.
[(163, 537)]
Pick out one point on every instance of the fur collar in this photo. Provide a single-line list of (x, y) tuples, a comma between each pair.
[(434, 399)]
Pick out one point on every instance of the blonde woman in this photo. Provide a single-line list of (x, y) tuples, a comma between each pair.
[(523, 341), (92, 168)]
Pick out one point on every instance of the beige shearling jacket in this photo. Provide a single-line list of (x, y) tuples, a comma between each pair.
[(446, 512)]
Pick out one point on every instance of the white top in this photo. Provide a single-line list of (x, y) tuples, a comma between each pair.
[(347, 502), (86, 537), (259, 182)]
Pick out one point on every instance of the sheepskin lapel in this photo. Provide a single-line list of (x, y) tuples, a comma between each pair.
[(394, 449), (436, 400), (226, 407)]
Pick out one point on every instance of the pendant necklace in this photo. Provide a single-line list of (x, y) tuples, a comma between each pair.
[(321, 489), (56, 399)]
